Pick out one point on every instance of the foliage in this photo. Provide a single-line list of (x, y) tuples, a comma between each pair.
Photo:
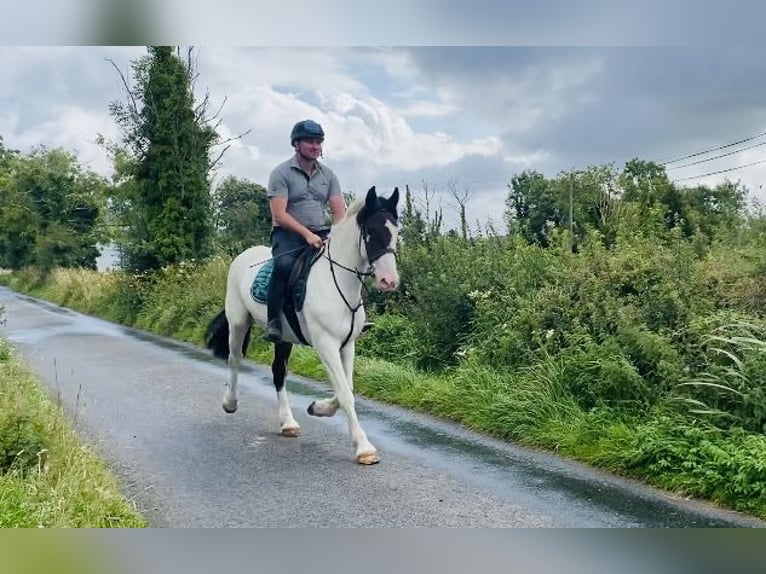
[(47, 478), (162, 197), (392, 338), (22, 442), (51, 212), (532, 207), (420, 222), (732, 388), (242, 215)]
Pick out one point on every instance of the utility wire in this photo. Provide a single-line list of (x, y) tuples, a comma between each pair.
[(721, 171), (715, 157), (699, 153)]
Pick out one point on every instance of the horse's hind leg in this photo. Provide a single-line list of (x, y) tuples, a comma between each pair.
[(238, 332), (288, 425)]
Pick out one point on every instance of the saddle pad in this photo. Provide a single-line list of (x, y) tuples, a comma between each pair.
[(260, 288)]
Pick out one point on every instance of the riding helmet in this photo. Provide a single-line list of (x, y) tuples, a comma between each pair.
[(306, 129)]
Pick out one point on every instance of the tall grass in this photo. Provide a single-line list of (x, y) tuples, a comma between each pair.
[(733, 389), (47, 478)]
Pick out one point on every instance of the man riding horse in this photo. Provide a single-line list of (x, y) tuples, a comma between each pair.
[(300, 190)]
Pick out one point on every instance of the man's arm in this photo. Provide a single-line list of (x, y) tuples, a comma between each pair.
[(338, 207), (335, 199)]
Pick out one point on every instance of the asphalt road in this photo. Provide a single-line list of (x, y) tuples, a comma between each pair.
[(152, 408)]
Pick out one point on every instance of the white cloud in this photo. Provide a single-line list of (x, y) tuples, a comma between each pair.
[(427, 109), (379, 135), (524, 161), (396, 115), (69, 127)]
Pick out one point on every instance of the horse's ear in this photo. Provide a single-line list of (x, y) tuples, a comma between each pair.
[(371, 199), (394, 199)]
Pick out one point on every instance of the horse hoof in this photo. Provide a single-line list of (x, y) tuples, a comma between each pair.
[(311, 409), (230, 409), (368, 459), (291, 432)]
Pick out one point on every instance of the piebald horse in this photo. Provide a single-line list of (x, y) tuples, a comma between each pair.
[(362, 244)]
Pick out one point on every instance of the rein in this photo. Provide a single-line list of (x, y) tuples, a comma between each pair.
[(359, 276), (280, 255)]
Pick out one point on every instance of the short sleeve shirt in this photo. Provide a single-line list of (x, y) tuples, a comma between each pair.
[(307, 197)]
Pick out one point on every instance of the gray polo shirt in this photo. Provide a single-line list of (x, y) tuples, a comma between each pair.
[(306, 197)]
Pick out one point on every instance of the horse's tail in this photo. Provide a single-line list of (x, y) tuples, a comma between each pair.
[(217, 336)]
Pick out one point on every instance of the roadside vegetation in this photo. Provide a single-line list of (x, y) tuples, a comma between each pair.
[(619, 319), (47, 478)]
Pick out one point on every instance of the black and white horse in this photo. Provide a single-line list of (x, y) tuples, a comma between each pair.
[(332, 317)]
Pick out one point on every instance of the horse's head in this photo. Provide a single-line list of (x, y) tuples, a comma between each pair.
[(379, 222)]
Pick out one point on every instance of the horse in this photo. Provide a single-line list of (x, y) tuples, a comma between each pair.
[(363, 243)]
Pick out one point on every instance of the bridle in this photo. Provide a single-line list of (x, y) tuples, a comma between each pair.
[(369, 272)]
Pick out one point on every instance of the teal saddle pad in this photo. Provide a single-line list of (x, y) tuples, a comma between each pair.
[(260, 287), (296, 286)]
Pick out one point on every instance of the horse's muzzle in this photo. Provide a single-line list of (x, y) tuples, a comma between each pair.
[(387, 284)]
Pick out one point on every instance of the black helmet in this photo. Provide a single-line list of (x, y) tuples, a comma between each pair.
[(306, 129)]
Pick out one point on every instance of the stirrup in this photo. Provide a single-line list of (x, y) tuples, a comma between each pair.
[(273, 332)]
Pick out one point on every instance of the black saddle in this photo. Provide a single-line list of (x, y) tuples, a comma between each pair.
[(296, 288)]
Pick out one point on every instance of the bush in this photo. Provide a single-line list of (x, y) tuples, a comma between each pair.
[(731, 390), (22, 440), (392, 338)]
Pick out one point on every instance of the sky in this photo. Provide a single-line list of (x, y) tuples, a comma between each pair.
[(460, 119)]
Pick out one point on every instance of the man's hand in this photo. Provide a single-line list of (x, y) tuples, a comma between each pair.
[(314, 240)]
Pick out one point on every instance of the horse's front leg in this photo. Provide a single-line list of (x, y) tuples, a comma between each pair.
[(328, 352), (287, 423), (347, 354), (328, 407)]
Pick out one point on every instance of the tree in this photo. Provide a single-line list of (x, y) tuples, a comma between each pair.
[(532, 207), (163, 199), (461, 198), (589, 199), (242, 215), (51, 210), (646, 185), (716, 210), (413, 225)]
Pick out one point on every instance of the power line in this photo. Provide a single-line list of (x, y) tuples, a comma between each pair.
[(695, 154), (720, 171), (715, 157)]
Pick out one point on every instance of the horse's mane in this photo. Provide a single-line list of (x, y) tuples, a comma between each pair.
[(355, 207)]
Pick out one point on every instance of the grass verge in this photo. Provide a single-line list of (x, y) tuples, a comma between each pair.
[(47, 477)]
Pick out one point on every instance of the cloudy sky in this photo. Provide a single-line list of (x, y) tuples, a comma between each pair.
[(466, 118)]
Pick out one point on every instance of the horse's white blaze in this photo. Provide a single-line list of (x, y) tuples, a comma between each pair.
[(386, 272)]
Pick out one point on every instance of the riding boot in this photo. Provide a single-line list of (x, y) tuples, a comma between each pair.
[(274, 308), (274, 331)]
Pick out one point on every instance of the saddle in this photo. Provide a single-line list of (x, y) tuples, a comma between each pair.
[(296, 286)]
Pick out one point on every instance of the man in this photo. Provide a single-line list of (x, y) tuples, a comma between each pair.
[(300, 189)]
